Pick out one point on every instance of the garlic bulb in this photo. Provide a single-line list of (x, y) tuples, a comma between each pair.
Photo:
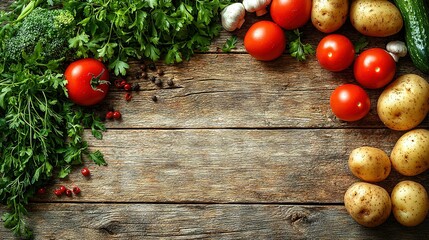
[(233, 17), (397, 49), (258, 6)]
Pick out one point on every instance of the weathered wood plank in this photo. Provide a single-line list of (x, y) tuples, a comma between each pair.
[(202, 221), (235, 91), (227, 166)]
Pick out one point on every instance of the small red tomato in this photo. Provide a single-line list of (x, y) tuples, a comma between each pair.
[(374, 68), (117, 115), (57, 192), (109, 115), (335, 52), (41, 191), (76, 190), (349, 102), (85, 172), (265, 41), (290, 14), (87, 81)]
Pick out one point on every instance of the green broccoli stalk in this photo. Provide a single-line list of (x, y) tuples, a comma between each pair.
[(45, 28)]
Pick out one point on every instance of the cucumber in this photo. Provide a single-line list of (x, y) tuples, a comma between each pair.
[(415, 14)]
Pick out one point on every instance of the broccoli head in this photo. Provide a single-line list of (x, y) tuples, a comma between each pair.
[(49, 28)]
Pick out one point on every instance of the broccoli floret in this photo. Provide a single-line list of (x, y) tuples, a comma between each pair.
[(51, 28)]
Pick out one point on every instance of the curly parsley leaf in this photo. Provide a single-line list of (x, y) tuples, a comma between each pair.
[(297, 48), (230, 44)]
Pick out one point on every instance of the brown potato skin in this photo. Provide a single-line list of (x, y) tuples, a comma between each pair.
[(404, 103), (369, 164), (375, 18), (368, 204), (328, 16), (410, 155), (410, 203)]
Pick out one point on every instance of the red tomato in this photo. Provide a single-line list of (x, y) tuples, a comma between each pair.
[(290, 14), (374, 68), (349, 102), (87, 81), (265, 41), (335, 52)]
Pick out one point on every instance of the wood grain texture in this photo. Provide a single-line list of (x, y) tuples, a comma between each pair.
[(205, 221), (227, 166)]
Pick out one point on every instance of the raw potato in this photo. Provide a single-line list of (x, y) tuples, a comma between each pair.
[(367, 204), (410, 155), (375, 18), (369, 164), (404, 104), (410, 203), (329, 16)]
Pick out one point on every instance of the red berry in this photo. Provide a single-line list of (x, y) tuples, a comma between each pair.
[(69, 193), (85, 172), (127, 87), (123, 83), (117, 115), (76, 190), (41, 191), (58, 192), (109, 115), (62, 189)]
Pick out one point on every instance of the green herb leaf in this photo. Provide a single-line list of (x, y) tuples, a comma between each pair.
[(230, 44), (297, 49), (360, 44)]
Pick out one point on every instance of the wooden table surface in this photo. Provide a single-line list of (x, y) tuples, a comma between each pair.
[(237, 149)]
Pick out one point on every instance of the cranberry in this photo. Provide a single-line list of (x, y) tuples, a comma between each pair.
[(58, 192), (117, 115), (109, 115), (69, 193), (76, 190), (85, 172), (41, 191)]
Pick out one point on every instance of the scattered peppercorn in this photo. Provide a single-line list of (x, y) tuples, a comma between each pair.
[(154, 98), (69, 193), (153, 79), (170, 82), (135, 87), (152, 66), (109, 115), (76, 190), (85, 172), (143, 67), (128, 97), (41, 191), (58, 192), (117, 115), (144, 75), (160, 72), (127, 87), (158, 82)]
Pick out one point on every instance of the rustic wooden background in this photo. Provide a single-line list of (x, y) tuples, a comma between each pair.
[(237, 149)]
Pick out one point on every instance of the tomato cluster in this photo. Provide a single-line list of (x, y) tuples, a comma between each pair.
[(373, 68), (266, 40)]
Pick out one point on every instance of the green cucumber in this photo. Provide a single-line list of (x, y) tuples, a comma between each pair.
[(415, 14)]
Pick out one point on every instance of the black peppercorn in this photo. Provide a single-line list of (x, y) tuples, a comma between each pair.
[(158, 82), (152, 66), (154, 98), (153, 79), (170, 82), (135, 87)]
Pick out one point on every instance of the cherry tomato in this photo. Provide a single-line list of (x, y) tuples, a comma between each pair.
[(374, 68), (87, 81), (335, 52), (290, 14), (265, 41), (350, 102)]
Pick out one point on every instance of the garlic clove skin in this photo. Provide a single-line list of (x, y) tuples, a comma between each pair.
[(397, 49), (232, 17), (258, 6)]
